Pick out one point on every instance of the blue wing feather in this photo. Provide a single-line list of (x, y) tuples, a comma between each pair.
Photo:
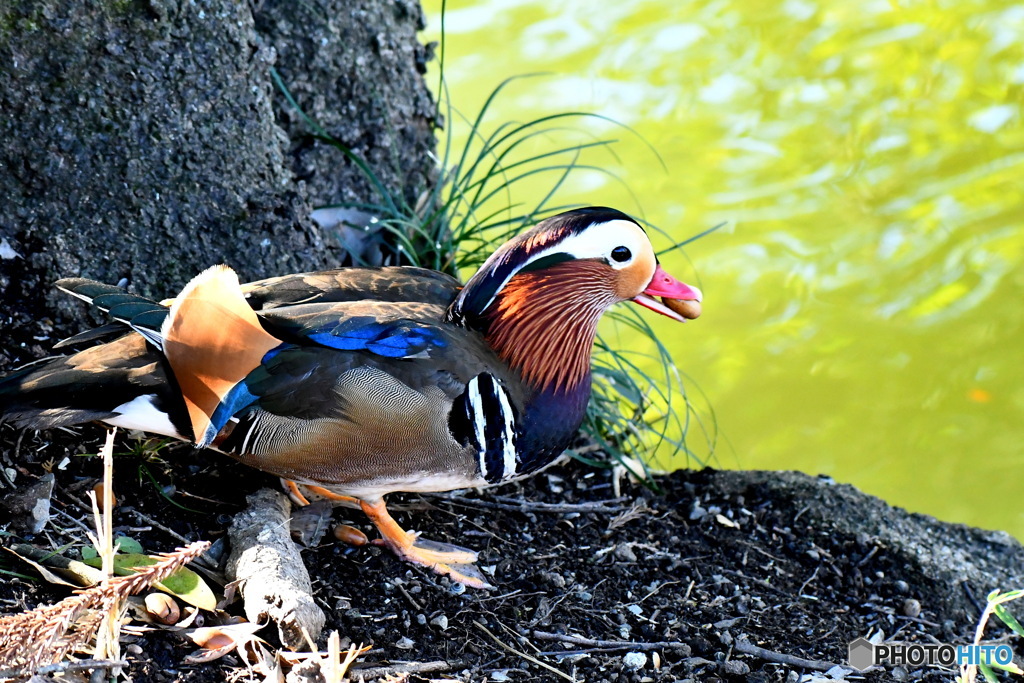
[(395, 339)]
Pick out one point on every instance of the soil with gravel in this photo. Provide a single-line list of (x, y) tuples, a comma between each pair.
[(746, 576)]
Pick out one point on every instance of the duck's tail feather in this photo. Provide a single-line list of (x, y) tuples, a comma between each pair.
[(124, 383), (143, 315), (182, 377)]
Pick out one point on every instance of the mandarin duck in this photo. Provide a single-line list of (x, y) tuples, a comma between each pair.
[(359, 382)]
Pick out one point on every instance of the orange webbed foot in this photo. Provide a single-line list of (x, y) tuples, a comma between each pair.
[(459, 564), (448, 560)]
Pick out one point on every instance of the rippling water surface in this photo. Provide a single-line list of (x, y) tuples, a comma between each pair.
[(864, 305)]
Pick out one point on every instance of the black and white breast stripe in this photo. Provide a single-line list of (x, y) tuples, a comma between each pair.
[(246, 435), (483, 418)]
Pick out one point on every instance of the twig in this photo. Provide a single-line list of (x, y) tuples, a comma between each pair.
[(412, 601), (82, 664), (108, 645), (71, 519), (808, 581), (529, 658), (606, 506), (609, 644), (758, 582), (149, 520), (918, 620), (521, 501), (17, 446), (748, 648), (867, 558), (970, 597), (376, 672)]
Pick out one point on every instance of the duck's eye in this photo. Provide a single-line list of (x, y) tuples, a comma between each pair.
[(621, 254)]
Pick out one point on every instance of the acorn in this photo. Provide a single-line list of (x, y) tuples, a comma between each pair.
[(98, 490), (688, 308), (350, 534), (163, 608)]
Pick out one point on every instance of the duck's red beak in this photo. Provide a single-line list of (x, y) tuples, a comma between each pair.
[(679, 300)]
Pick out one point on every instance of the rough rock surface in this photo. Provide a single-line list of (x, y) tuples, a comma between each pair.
[(366, 90), (140, 140)]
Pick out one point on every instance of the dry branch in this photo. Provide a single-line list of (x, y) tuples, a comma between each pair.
[(273, 579)]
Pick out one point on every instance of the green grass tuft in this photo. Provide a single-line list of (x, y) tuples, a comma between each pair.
[(460, 222)]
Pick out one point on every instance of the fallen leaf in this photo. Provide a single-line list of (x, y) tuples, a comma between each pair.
[(184, 583)]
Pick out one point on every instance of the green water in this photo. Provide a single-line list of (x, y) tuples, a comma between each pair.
[(863, 307)]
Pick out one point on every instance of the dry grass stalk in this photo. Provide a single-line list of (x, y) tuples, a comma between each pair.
[(332, 666), (47, 634), (107, 636)]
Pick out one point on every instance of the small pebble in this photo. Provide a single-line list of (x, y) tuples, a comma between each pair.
[(900, 673), (440, 621), (725, 638), (902, 586), (405, 643), (634, 660), (911, 608), (735, 667), (624, 553), (553, 579), (421, 619), (500, 675), (134, 649)]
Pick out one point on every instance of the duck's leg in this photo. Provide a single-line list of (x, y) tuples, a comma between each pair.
[(294, 493), (452, 561), (449, 560)]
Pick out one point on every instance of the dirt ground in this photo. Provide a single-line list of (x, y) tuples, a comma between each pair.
[(719, 576)]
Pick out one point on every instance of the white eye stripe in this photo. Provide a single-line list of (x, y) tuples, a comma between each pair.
[(596, 241)]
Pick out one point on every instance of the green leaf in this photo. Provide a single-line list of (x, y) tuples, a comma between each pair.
[(988, 673), (1008, 619), (1010, 595), (184, 583), (126, 544), (89, 553), (1011, 668)]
